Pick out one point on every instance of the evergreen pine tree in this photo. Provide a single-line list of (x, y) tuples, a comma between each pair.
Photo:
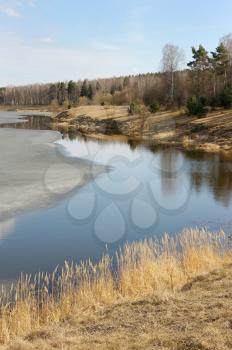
[(84, 89), (72, 91), (61, 91), (221, 61), (90, 92), (98, 86), (200, 64)]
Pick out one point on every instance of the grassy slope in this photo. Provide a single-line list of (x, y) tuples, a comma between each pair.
[(210, 133), (174, 294), (199, 317), (99, 112)]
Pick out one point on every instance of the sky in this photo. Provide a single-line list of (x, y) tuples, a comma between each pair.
[(55, 40)]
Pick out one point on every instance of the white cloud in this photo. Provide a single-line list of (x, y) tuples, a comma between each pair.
[(47, 40), (10, 11)]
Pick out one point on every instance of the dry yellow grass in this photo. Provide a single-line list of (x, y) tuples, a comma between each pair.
[(211, 133), (198, 317), (98, 112), (151, 269)]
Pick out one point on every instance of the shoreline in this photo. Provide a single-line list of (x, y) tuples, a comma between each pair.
[(170, 128), (174, 128), (157, 282)]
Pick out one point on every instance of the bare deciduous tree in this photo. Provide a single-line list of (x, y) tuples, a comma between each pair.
[(173, 57), (227, 42)]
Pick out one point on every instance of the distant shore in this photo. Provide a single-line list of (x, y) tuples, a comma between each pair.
[(211, 133)]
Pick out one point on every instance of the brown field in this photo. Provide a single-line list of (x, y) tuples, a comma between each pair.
[(169, 294)]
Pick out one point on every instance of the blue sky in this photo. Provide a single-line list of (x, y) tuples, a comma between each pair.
[(51, 40)]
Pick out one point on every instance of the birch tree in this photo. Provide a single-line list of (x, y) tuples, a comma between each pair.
[(173, 57)]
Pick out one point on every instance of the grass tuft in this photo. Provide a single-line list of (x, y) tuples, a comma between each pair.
[(151, 267)]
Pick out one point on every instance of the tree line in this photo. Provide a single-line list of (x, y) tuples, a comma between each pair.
[(206, 82)]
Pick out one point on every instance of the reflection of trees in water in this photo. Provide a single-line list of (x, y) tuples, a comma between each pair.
[(216, 174), (71, 134), (169, 183), (33, 123), (168, 161), (212, 170), (6, 227), (133, 144)]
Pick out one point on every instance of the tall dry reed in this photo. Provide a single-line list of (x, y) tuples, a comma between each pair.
[(141, 268)]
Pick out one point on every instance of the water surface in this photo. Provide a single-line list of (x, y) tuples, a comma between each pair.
[(150, 190)]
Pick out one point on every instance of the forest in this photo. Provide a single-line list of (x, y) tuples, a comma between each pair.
[(203, 84)]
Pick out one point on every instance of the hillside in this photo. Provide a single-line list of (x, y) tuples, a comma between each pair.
[(199, 317), (172, 294), (210, 133)]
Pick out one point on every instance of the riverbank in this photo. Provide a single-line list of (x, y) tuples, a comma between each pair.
[(212, 133), (195, 319), (173, 294)]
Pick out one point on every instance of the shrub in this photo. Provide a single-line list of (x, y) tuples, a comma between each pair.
[(133, 108), (120, 98), (203, 100), (215, 102), (154, 107), (196, 106), (226, 97), (106, 100), (206, 110)]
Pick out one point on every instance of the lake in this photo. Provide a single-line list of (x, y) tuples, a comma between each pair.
[(145, 191)]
